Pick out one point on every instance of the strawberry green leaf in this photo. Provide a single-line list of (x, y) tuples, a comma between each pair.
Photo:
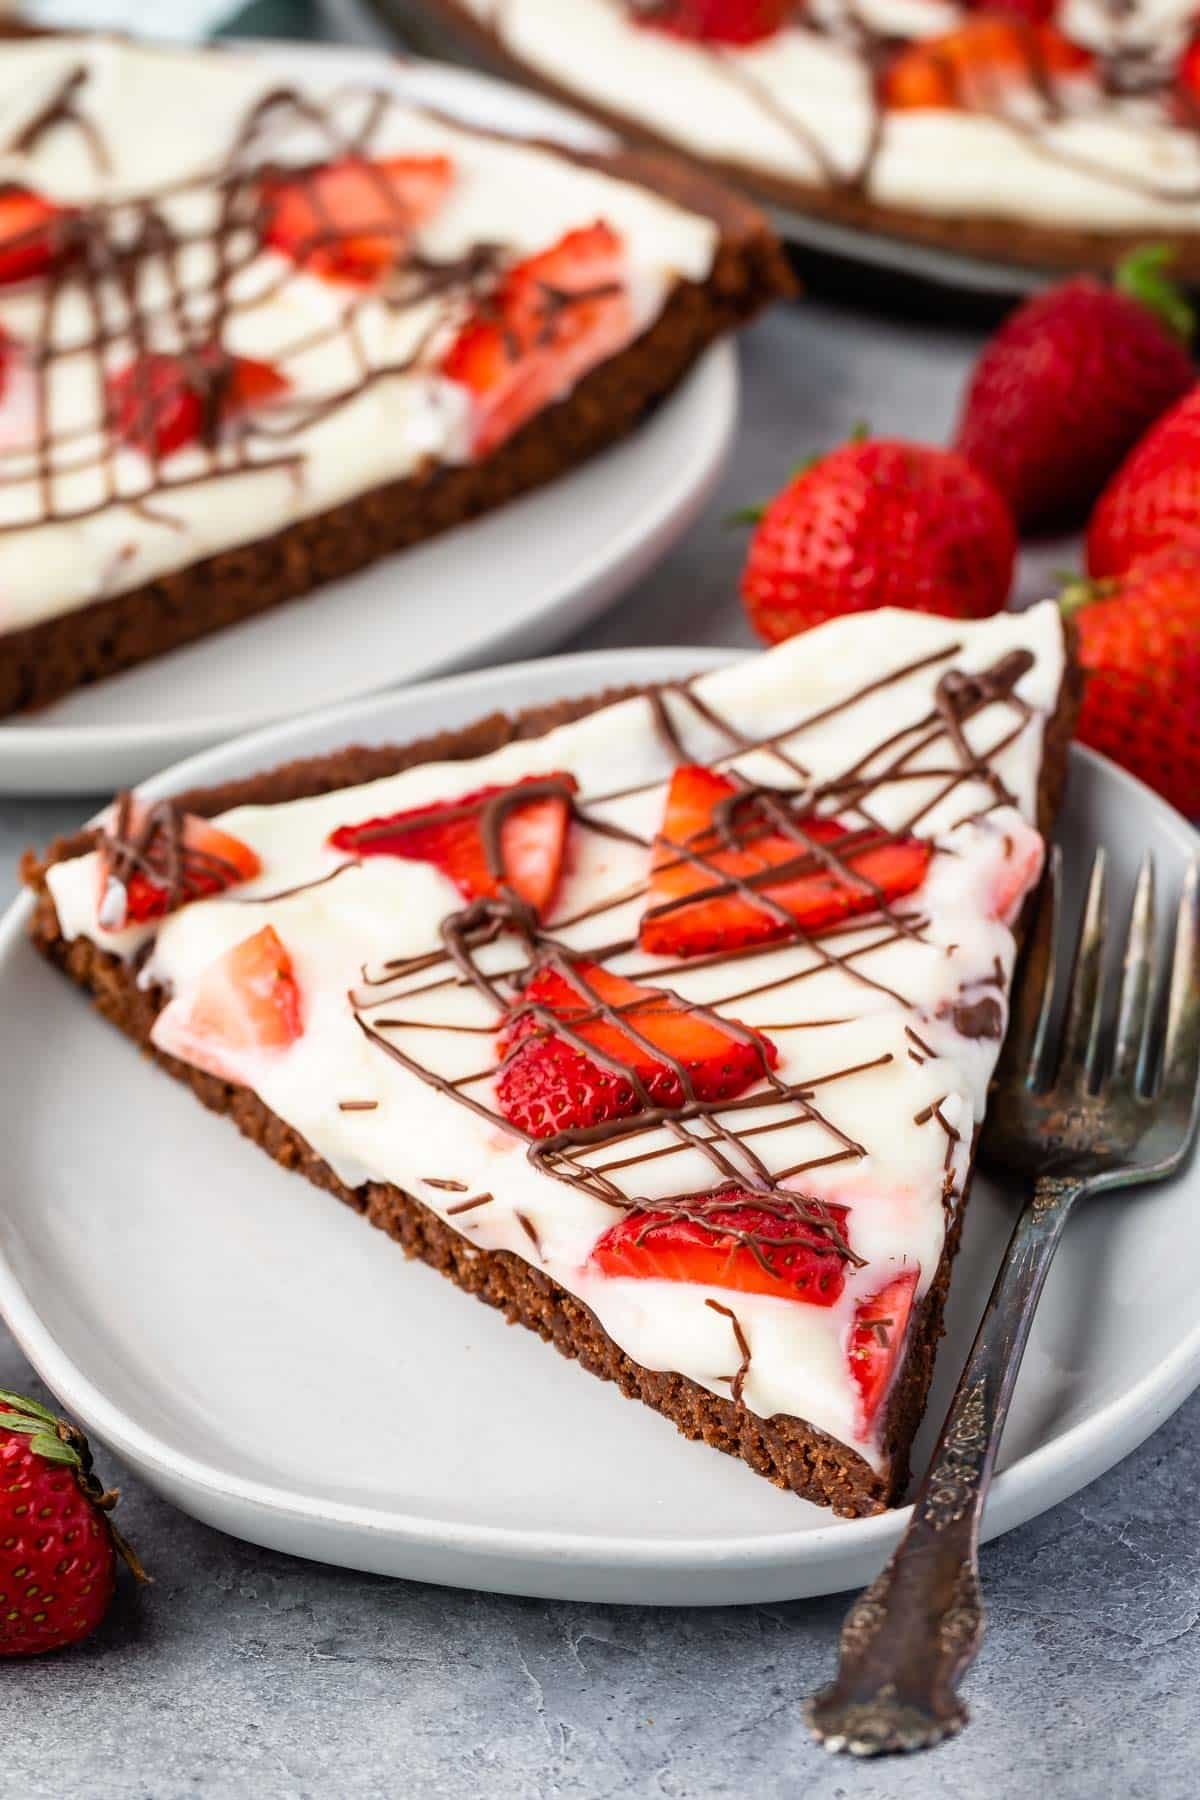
[(20, 1403), (53, 1449), (1142, 275)]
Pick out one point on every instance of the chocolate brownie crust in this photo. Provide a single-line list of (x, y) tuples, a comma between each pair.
[(1009, 241), (42, 662), (788, 1451)]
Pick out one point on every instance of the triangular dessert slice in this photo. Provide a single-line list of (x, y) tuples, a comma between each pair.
[(667, 1028)]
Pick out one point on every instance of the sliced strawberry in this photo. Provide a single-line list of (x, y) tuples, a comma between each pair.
[(732, 1239), (640, 1035), (716, 21), (246, 1001), (1187, 79), (550, 319), (31, 233), (161, 401), (877, 1342), (699, 818), (454, 835), (353, 220), (980, 63), (136, 872), (252, 383)]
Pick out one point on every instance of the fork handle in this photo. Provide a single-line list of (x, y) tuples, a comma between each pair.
[(911, 1636)]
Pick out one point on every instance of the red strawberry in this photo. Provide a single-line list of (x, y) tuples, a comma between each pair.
[(1139, 644), (136, 864), (58, 1546), (877, 1343), (452, 835), (1187, 84), (1034, 12), (548, 1084), (979, 63), (715, 21), (246, 1001), (353, 220), (812, 894), (162, 401), (1153, 500), (551, 319), (1071, 381), (32, 233), (879, 523), (754, 1244)]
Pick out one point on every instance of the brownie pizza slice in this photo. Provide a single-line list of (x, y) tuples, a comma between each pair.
[(254, 335), (663, 1022)]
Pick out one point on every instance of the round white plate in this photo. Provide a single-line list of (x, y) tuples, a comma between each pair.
[(276, 1367), (509, 584)]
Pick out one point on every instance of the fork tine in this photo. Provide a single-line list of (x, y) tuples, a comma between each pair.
[(1181, 1051), (1033, 996), (1078, 1054), (1137, 983)]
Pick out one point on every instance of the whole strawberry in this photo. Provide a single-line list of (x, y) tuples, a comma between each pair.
[(58, 1546), (1139, 645), (1153, 500), (879, 523), (1071, 381)]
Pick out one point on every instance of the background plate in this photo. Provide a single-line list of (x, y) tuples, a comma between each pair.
[(505, 585), (198, 1308)]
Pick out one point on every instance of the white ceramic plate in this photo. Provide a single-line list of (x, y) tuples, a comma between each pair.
[(506, 585), (222, 1324)]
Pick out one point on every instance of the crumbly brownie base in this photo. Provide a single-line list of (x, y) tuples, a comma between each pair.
[(788, 1451), (42, 662), (1014, 242)]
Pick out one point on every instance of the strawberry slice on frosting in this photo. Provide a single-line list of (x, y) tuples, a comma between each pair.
[(493, 838), (154, 859), (354, 219), (549, 320), (584, 1046), (245, 1003), (778, 1244), (738, 866)]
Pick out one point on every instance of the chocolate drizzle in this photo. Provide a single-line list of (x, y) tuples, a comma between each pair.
[(737, 1382), (494, 946)]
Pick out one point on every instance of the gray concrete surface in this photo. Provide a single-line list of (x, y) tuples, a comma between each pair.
[(242, 1673)]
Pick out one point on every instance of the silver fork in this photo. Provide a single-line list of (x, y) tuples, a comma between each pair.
[(1079, 1118)]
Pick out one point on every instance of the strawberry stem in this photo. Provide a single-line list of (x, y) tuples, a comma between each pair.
[(1142, 275), (1078, 591)]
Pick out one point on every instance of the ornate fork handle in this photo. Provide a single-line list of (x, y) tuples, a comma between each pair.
[(910, 1637)]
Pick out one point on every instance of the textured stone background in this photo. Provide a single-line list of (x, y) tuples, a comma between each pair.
[(244, 1673)]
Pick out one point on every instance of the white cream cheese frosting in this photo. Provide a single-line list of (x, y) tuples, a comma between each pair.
[(799, 106), (155, 130), (872, 1023)]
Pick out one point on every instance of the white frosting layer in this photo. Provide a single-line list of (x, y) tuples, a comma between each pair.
[(173, 117), (389, 908), (800, 102)]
